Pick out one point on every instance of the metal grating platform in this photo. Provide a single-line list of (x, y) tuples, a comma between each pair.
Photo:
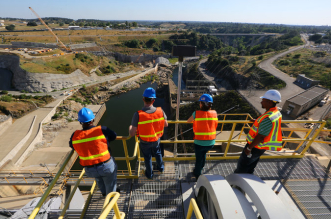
[(267, 169), (156, 199), (312, 196), (170, 171)]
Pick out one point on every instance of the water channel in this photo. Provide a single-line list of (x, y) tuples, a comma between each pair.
[(119, 111), (175, 79)]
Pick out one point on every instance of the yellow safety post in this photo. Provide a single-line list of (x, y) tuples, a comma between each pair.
[(313, 138), (88, 199), (242, 130), (193, 207), (127, 156), (306, 136), (50, 187), (107, 206), (223, 123), (64, 210), (230, 138)]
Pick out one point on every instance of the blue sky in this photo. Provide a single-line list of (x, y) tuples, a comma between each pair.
[(297, 12)]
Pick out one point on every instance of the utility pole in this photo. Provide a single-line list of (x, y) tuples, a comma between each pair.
[(180, 51)]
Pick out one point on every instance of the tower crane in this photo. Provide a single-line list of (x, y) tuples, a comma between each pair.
[(58, 40)]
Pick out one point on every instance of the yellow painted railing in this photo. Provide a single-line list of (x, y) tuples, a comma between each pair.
[(193, 207), (72, 194), (50, 187), (215, 156), (107, 206)]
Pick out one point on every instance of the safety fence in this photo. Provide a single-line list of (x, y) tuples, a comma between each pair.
[(303, 144)]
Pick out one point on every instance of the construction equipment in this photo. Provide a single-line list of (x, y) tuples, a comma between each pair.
[(57, 39)]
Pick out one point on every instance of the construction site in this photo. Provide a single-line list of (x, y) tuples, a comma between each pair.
[(40, 175)]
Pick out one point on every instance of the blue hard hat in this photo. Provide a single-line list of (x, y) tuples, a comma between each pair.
[(206, 98), (149, 93), (85, 115)]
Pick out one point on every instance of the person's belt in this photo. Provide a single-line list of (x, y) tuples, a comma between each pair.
[(98, 164)]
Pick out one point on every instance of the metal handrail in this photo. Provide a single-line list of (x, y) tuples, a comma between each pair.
[(193, 207), (63, 212), (107, 206), (88, 199), (136, 153), (50, 187)]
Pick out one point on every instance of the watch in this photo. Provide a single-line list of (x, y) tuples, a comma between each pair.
[(249, 149)]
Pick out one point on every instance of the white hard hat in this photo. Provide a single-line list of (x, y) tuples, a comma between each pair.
[(273, 95)]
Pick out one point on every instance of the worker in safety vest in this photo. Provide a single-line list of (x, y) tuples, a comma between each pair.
[(265, 134), (92, 146), (205, 122), (148, 125)]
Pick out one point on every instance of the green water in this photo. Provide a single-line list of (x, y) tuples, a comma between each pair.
[(118, 116)]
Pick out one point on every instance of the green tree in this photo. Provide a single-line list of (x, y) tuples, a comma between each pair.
[(10, 27), (134, 24), (32, 23), (61, 24)]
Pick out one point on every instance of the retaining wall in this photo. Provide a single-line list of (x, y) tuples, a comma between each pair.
[(39, 136), (19, 145), (138, 58)]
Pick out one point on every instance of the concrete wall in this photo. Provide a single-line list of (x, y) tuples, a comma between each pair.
[(82, 45), (44, 82), (33, 45), (19, 145), (138, 58), (39, 136), (5, 124)]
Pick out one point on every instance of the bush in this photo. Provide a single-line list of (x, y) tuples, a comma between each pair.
[(260, 57), (10, 27), (56, 115), (4, 92), (6, 98), (297, 56)]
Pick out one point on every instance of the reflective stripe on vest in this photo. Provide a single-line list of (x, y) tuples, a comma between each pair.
[(88, 139), (205, 124), (91, 146), (94, 156), (150, 125), (273, 141)]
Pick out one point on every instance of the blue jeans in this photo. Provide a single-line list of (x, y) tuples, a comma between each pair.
[(105, 175), (247, 165), (150, 149), (200, 158)]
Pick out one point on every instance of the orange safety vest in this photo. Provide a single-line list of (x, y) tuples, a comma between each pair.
[(150, 126), (205, 124), (91, 146), (273, 141)]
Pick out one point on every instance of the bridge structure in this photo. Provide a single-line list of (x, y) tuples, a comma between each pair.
[(291, 180)]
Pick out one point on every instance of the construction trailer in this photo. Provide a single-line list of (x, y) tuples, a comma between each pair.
[(303, 101)]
